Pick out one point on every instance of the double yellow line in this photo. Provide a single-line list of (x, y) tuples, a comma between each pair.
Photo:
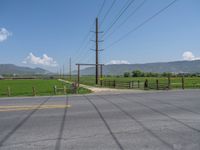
[(31, 107)]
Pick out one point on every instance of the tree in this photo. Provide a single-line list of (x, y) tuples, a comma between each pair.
[(127, 74), (166, 74), (137, 73)]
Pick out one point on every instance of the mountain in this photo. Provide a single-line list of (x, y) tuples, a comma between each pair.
[(13, 69), (175, 67)]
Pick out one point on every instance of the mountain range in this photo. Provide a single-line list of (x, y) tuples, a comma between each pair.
[(18, 70), (114, 69), (174, 67)]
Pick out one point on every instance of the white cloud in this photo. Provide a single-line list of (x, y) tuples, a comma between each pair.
[(4, 34), (44, 60), (189, 56), (118, 62)]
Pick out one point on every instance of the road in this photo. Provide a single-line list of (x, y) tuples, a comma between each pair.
[(132, 121)]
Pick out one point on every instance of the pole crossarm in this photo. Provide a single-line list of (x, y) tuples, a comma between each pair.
[(90, 64), (95, 49)]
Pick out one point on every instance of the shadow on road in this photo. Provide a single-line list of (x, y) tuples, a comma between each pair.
[(21, 123), (60, 135)]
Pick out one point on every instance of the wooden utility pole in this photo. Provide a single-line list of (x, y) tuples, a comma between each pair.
[(97, 52), (70, 68), (63, 71), (101, 72), (78, 74), (60, 73), (183, 83)]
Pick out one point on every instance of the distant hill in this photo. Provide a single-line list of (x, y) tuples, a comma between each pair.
[(175, 67), (13, 69)]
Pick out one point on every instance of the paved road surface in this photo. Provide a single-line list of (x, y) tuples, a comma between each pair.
[(139, 121)]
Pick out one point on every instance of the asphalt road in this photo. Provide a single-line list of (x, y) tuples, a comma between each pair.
[(139, 121)]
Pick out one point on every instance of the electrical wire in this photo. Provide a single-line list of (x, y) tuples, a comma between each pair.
[(126, 19), (83, 42), (108, 11), (101, 8), (87, 35), (143, 23), (118, 17)]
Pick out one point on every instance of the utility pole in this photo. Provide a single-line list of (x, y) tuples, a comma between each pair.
[(78, 74), (101, 74), (60, 73), (63, 71), (97, 52), (70, 68), (57, 72)]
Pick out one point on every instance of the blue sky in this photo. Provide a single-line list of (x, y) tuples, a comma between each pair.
[(46, 33)]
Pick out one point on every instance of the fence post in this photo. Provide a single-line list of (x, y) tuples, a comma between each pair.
[(114, 83), (76, 88), (55, 89), (146, 84), (64, 89), (157, 84), (8, 91), (33, 90), (138, 84), (130, 84), (183, 84), (169, 82)]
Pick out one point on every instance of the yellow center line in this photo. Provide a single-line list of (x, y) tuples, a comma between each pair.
[(31, 107)]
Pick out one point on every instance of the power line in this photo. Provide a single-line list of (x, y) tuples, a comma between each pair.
[(84, 56), (83, 42), (143, 23), (101, 8), (83, 53), (122, 12), (108, 11), (88, 33), (127, 18)]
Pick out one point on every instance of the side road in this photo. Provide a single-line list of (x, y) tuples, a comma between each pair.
[(103, 90)]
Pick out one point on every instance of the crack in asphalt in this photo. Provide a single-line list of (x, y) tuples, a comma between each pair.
[(60, 135)]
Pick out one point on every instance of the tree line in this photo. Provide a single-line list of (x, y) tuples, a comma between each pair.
[(138, 73)]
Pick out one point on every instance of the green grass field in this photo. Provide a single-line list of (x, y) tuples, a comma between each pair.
[(176, 82), (42, 87)]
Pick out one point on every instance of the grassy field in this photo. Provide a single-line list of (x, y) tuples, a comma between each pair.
[(176, 82), (42, 87)]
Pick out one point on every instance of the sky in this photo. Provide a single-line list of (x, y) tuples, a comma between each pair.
[(46, 33)]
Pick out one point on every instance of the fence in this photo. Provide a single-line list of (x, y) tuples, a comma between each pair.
[(154, 84), (121, 84), (33, 91), (72, 90)]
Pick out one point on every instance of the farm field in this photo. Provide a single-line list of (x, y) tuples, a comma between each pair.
[(176, 82), (42, 87)]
